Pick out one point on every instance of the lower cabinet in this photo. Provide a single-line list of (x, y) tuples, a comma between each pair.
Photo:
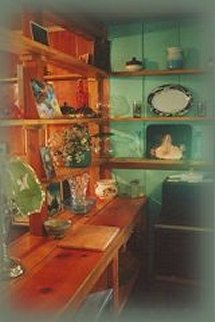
[(184, 255), (96, 307), (132, 262)]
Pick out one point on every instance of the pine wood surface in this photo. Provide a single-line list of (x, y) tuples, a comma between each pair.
[(90, 237), (57, 279)]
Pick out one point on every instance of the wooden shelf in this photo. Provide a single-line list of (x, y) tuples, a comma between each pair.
[(41, 122), (134, 163), (63, 173), (154, 72), (65, 77), (162, 119), (62, 121), (18, 44), (8, 80)]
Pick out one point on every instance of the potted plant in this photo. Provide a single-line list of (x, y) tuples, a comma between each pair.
[(72, 146)]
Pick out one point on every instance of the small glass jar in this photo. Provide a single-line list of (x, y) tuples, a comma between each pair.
[(134, 188), (137, 108)]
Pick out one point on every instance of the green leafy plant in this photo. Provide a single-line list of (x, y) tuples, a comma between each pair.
[(70, 145)]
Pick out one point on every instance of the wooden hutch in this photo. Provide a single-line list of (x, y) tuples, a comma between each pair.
[(56, 280)]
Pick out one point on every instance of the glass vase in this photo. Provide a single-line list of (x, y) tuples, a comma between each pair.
[(78, 187)]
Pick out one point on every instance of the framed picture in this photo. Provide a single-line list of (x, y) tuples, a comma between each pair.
[(168, 142), (45, 99), (47, 162), (39, 33), (54, 198)]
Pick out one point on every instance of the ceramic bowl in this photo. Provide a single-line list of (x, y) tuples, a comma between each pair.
[(106, 188), (57, 228), (133, 67)]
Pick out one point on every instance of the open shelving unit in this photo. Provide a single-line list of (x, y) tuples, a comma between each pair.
[(32, 59)]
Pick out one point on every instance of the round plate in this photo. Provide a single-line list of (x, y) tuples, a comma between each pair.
[(23, 187), (170, 100)]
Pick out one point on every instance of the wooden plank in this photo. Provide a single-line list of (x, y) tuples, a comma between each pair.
[(133, 163), (41, 122), (57, 279), (90, 237), (120, 212), (48, 289), (15, 43), (163, 119), (156, 72), (8, 80)]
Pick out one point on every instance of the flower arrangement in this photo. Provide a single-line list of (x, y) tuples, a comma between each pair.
[(70, 146)]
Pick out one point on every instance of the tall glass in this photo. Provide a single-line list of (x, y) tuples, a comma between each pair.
[(78, 187)]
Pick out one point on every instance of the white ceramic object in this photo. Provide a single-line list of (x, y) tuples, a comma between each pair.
[(133, 65), (106, 188), (133, 68)]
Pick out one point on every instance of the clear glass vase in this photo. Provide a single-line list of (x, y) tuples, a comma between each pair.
[(78, 187)]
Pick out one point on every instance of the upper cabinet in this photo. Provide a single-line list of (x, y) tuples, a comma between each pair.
[(57, 44)]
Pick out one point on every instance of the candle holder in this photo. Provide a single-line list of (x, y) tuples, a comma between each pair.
[(20, 195), (10, 267)]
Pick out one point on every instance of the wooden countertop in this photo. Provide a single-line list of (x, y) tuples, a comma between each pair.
[(55, 278)]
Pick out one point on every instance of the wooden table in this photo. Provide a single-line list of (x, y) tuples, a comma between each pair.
[(57, 280)]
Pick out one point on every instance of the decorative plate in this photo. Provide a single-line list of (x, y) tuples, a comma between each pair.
[(24, 187), (170, 100)]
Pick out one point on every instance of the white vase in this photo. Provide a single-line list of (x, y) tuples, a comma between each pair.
[(175, 58)]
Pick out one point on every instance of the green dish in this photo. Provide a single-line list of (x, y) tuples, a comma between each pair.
[(23, 187)]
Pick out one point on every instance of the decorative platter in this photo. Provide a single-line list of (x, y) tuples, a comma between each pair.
[(170, 100), (23, 187)]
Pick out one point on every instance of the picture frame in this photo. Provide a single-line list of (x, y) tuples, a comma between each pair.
[(168, 142), (45, 99), (54, 198), (47, 162), (39, 33)]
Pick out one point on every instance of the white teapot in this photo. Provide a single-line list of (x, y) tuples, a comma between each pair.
[(106, 188)]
